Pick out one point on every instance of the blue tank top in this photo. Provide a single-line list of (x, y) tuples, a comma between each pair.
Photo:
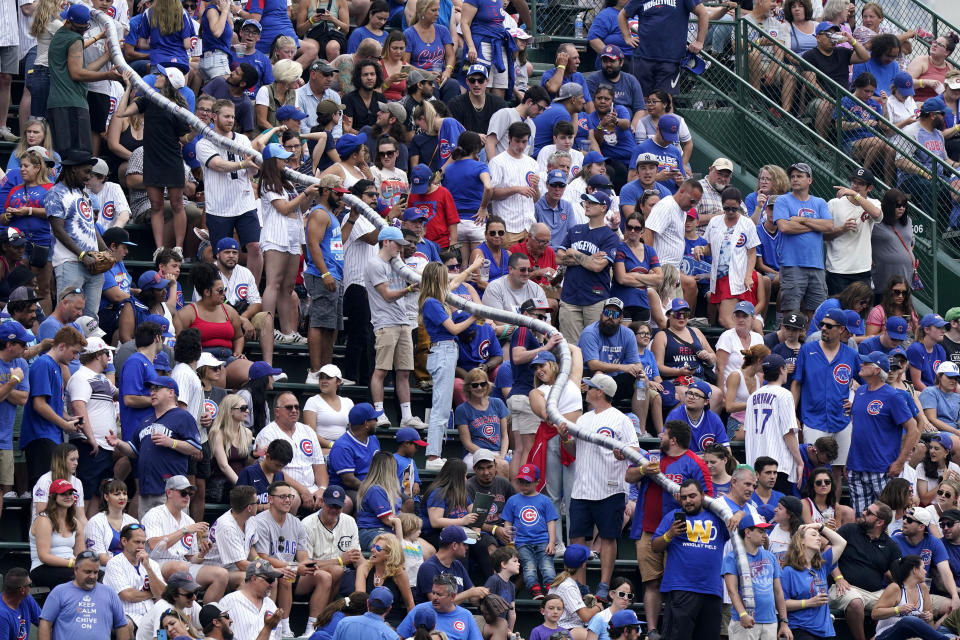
[(332, 246), (212, 42), (496, 270), (677, 353)]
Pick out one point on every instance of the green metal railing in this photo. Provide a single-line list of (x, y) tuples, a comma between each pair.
[(903, 15), (753, 129)]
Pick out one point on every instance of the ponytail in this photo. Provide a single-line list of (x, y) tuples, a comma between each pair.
[(468, 144)]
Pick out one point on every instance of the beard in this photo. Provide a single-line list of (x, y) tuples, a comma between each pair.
[(609, 329), (610, 73)]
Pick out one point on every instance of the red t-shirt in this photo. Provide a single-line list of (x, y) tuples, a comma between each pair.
[(547, 260), (441, 212)]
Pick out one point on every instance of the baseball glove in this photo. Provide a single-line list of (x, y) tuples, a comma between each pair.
[(104, 261)]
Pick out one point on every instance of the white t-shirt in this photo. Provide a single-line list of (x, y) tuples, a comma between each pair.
[(935, 480), (112, 201), (306, 451), (328, 544), (569, 592), (228, 193), (149, 623), (330, 424), (41, 490), (246, 617), (769, 416), (517, 211), (501, 295), (737, 240), (779, 541), (851, 251), (160, 522), (666, 221), (121, 574), (230, 543), (99, 534), (98, 393), (730, 342), (501, 121), (598, 475), (570, 400), (191, 393)]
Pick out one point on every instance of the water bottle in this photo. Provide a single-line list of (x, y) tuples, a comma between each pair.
[(485, 271), (578, 27), (641, 389), (509, 456)]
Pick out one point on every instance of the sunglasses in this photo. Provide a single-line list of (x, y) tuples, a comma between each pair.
[(828, 325), (187, 493), (502, 232), (389, 153), (944, 524), (524, 269), (823, 483), (453, 267), (376, 548), (867, 512), (371, 194), (267, 579), (643, 335), (478, 385), (135, 526), (624, 595), (242, 408), (899, 292), (188, 596), (944, 494), (680, 314), (731, 209), (290, 407), (907, 520), (476, 80), (610, 313), (635, 227)]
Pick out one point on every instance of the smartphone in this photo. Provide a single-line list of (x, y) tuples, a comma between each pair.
[(161, 634), (405, 68), (679, 516)]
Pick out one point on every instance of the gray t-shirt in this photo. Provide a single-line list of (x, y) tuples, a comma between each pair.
[(383, 313), (500, 295), (281, 542)]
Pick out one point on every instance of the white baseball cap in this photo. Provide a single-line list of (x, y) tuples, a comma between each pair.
[(96, 345), (208, 360)]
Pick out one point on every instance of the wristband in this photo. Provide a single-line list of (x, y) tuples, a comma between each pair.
[(17, 379), (29, 212), (174, 444), (71, 563), (324, 275), (857, 198), (494, 531), (82, 253), (449, 67), (803, 604), (562, 67), (839, 577), (666, 537), (340, 560), (896, 610)]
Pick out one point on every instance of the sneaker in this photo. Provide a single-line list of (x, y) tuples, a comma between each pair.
[(278, 337), (536, 592), (7, 135), (347, 382), (295, 338), (414, 422), (425, 385), (10, 494), (202, 233), (26, 495), (156, 253), (313, 377), (280, 377), (558, 549), (435, 465), (178, 251), (603, 592), (383, 421)]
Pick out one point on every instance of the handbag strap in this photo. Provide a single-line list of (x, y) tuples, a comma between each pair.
[(909, 250)]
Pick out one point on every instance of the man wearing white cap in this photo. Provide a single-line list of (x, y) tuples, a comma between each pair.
[(114, 208), (91, 397), (716, 180)]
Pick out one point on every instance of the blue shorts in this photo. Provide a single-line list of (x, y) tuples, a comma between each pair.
[(247, 226), (606, 515), (92, 470)]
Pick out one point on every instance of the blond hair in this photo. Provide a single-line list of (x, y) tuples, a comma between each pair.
[(795, 557), (287, 71), (232, 433), (395, 561), (433, 284), (167, 16)]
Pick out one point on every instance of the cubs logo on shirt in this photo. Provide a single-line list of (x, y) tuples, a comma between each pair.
[(445, 148), (85, 209), (211, 407), (705, 441), (483, 350), (531, 179), (489, 430), (307, 447), (107, 210), (529, 515), (606, 431), (841, 373), (459, 625), (187, 541), (742, 240), (805, 212), (241, 291), (874, 407)]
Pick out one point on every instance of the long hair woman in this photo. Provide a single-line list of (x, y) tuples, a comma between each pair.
[(394, 79), (25, 211), (892, 240), (660, 103), (430, 46), (36, 133), (721, 465), (948, 494), (64, 460), (927, 350), (683, 351), (163, 174), (104, 528), (492, 251), (897, 495), (385, 568), (576, 614), (46, 22), (379, 499), (229, 440), (436, 319), (469, 181), (740, 385), (936, 466), (804, 579), (904, 608), (446, 501), (430, 118), (820, 501), (664, 293), (896, 300), (788, 518), (56, 537), (772, 180), (635, 268)]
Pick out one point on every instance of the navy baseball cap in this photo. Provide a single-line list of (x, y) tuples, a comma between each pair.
[(334, 496), (773, 362), (363, 412), (678, 304), (424, 617), (612, 51), (898, 352), (854, 322), (557, 176), (897, 328), (420, 179), (455, 534), (598, 197), (878, 358), (477, 69), (575, 555), (409, 434), (261, 368), (227, 243), (600, 181), (166, 382), (13, 330), (289, 112)]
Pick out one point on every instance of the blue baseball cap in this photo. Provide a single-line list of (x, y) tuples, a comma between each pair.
[(624, 618), (529, 472), (903, 81), (152, 280), (825, 26), (348, 143), (612, 51), (854, 322), (678, 304), (251, 23), (13, 330), (897, 328), (575, 556), (933, 320), (878, 358), (557, 176), (227, 243), (424, 617), (392, 233), (899, 352), (593, 157), (261, 368), (166, 382), (542, 358), (748, 521), (455, 534), (745, 306), (381, 596), (598, 197), (334, 496), (290, 112), (162, 321), (161, 362), (702, 387), (837, 315), (477, 69), (409, 434), (420, 179), (945, 440), (413, 213), (362, 412), (275, 150), (669, 126), (933, 105), (76, 13)]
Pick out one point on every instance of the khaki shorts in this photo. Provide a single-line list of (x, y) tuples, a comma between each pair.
[(6, 467), (649, 561), (767, 631), (868, 598), (525, 421), (394, 348)]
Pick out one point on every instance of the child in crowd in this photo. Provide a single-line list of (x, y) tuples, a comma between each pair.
[(552, 611), (506, 565), (410, 525), (407, 442), (534, 519)]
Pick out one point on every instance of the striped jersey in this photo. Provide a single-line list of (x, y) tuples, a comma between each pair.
[(770, 415)]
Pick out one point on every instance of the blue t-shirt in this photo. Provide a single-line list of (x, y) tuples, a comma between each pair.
[(76, 612), (884, 74), (522, 373), (825, 385), (155, 463), (930, 550), (462, 179), (166, 48), (261, 63), (764, 569), (434, 315), (117, 276), (766, 508), (870, 345), (946, 404), (8, 410), (349, 455), (801, 249), (36, 229), (918, 357), (503, 380), (875, 439), (803, 585), (661, 28), (135, 379), (620, 348), (632, 191), (626, 91), (649, 362), (605, 27), (253, 476), (953, 557), (529, 516), (620, 144), (545, 123), (274, 19), (403, 464), (457, 624), (634, 296), (769, 247), (701, 548), (432, 568), (15, 624), (582, 287), (483, 346), (484, 426), (212, 42), (576, 76), (856, 113), (707, 431), (360, 34), (428, 56), (45, 380), (374, 506), (668, 157)]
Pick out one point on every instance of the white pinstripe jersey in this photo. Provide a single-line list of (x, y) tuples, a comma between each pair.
[(598, 475), (247, 619), (769, 416)]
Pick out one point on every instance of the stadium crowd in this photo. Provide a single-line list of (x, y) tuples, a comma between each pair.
[(129, 405)]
